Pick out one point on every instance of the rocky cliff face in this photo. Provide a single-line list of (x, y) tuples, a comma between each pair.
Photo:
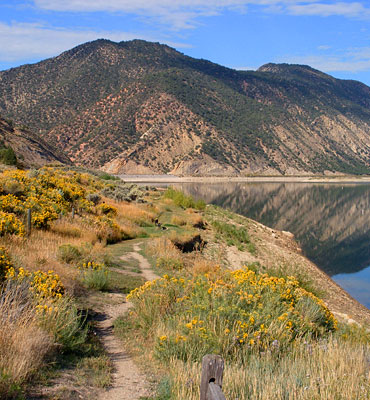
[(144, 107), (30, 150)]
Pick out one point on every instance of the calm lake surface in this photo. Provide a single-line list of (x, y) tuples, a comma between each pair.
[(331, 222)]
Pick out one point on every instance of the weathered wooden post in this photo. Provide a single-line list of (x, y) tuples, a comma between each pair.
[(211, 380), (73, 212), (28, 222)]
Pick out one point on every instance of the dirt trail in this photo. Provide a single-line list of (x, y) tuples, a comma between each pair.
[(129, 383)]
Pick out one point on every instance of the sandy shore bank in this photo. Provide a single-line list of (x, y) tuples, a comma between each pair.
[(252, 179)]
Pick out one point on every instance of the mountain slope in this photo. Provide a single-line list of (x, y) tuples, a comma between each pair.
[(144, 107), (30, 150)]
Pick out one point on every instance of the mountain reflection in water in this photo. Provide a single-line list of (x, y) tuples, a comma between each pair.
[(330, 221)]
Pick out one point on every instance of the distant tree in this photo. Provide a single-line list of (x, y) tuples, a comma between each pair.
[(7, 156)]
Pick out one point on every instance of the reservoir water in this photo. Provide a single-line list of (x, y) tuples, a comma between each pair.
[(331, 222)]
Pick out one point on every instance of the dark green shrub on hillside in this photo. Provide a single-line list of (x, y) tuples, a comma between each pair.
[(7, 156), (108, 177)]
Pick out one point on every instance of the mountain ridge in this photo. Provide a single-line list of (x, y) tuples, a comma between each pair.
[(145, 106), (29, 148)]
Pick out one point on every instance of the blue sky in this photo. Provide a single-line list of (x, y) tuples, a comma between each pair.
[(330, 35)]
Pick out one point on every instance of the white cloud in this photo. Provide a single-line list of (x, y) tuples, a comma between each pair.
[(323, 47), (25, 41), (351, 9), (351, 61), (181, 14)]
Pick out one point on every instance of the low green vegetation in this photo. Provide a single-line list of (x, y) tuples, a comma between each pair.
[(182, 200), (234, 235), (124, 283), (95, 276)]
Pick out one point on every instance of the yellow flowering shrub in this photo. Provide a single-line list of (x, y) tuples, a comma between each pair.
[(10, 225), (106, 209), (228, 313), (48, 192), (108, 229), (5, 263), (43, 285), (91, 265)]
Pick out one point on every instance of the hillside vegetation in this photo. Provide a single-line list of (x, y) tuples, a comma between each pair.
[(278, 337), (141, 107), (19, 146)]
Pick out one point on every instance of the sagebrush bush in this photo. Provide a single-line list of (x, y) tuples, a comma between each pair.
[(69, 253), (94, 198)]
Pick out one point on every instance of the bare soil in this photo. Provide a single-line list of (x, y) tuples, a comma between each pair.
[(129, 383)]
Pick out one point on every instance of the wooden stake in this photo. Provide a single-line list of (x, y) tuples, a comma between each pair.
[(28, 221), (211, 380)]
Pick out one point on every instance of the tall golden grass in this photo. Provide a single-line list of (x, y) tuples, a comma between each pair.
[(163, 247), (142, 215), (330, 370), (23, 345)]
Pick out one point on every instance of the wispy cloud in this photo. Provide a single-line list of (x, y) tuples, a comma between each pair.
[(26, 41), (351, 60), (323, 47), (182, 14), (348, 9)]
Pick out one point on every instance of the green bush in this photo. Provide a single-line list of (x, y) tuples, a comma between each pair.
[(63, 321), (7, 156), (182, 200), (69, 253), (108, 177), (97, 279)]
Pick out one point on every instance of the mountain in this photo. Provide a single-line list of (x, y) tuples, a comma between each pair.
[(29, 149), (141, 107)]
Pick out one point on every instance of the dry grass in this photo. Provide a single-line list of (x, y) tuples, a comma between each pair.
[(179, 220), (66, 228), (23, 345), (39, 251), (203, 266), (142, 215), (164, 247), (194, 216), (130, 229), (328, 371), (190, 218)]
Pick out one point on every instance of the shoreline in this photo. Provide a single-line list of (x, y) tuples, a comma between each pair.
[(234, 179)]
